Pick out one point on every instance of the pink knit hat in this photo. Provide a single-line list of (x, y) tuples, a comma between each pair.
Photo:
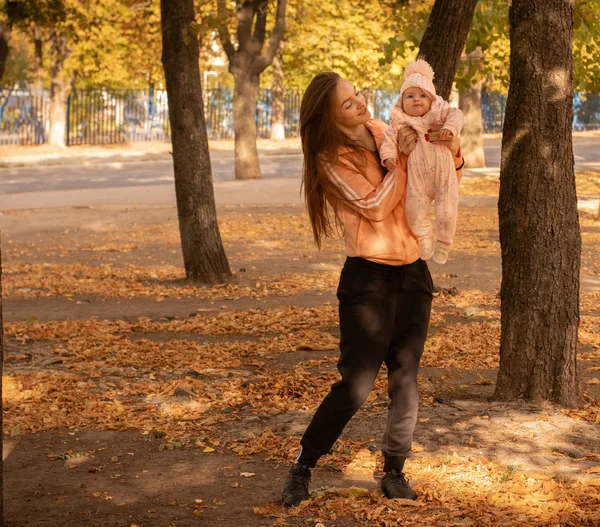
[(419, 74)]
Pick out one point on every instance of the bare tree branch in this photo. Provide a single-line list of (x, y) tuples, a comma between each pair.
[(258, 38), (276, 36), (5, 31), (244, 11), (223, 31), (142, 6)]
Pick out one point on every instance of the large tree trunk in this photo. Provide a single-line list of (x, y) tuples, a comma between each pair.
[(38, 66), (444, 40), (469, 102), (60, 87), (277, 123), (245, 99), (539, 226), (203, 254), (4, 39)]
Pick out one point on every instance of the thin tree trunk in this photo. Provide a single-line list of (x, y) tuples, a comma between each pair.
[(277, 123), (246, 62), (245, 100), (444, 40), (38, 66), (59, 94), (369, 96), (1, 409), (5, 31), (472, 134), (60, 87), (203, 254), (539, 225)]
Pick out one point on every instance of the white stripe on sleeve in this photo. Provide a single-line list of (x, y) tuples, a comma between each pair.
[(353, 196)]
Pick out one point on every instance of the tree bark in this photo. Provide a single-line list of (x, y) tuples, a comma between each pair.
[(369, 96), (472, 134), (5, 31), (203, 254), (1, 409), (444, 40), (60, 87), (277, 122), (246, 63), (38, 82), (539, 225), (245, 99)]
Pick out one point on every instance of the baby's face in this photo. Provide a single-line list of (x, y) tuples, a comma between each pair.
[(415, 102)]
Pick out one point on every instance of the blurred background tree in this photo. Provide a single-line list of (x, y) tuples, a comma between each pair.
[(63, 45), (116, 43)]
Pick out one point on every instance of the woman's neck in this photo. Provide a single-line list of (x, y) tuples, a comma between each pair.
[(357, 133), (361, 135)]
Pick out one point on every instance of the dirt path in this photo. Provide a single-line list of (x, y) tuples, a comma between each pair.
[(134, 399)]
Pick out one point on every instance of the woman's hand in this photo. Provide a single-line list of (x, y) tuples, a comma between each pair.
[(407, 140), (452, 144)]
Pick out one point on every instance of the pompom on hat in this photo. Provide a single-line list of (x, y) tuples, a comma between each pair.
[(419, 74)]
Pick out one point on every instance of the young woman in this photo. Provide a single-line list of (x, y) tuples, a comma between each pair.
[(385, 289)]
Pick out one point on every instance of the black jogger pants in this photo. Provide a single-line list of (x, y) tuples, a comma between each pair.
[(384, 317)]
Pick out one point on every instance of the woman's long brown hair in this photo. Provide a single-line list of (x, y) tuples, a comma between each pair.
[(321, 139)]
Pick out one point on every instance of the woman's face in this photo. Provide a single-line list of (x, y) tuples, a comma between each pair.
[(350, 107)]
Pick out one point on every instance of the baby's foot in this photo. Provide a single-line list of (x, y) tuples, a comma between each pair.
[(441, 253), (426, 248)]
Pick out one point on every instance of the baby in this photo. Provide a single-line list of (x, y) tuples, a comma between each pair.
[(431, 172)]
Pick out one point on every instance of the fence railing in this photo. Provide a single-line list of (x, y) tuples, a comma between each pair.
[(117, 116), (24, 117), (126, 116), (218, 112), (492, 111)]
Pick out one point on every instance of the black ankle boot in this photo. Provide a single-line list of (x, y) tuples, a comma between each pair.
[(296, 485), (395, 485)]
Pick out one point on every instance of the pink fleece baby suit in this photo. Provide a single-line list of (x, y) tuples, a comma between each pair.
[(431, 172)]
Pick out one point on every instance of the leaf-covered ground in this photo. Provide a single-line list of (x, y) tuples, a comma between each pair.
[(132, 397)]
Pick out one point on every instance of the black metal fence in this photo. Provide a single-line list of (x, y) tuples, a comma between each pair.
[(492, 111), (117, 116), (120, 116), (24, 117), (383, 100), (586, 110), (218, 111)]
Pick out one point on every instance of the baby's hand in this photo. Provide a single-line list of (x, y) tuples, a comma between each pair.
[(445, 134), (390, 163)]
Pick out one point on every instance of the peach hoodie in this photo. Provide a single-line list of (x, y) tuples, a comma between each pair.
[(371, 206)]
